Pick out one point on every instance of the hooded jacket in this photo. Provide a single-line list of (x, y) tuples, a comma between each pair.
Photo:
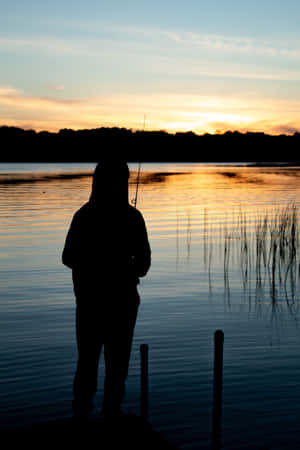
[(107, 243)]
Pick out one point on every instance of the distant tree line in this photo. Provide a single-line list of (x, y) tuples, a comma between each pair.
[(154, 146)]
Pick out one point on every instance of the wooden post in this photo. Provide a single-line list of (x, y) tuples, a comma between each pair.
[(144, 381), (217, 393)]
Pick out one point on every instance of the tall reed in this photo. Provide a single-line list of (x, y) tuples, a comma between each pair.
[(267, 249)]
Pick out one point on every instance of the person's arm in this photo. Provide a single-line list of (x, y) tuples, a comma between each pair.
[(142, 256), (68, 254)]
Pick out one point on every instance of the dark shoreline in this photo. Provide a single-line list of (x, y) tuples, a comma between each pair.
[(19, 145)]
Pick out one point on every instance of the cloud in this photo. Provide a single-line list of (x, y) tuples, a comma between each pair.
[(192, 67), (205, 41), (9, 91), (288, 128), (48, 44), (238, 45), (55, 87), (147, 38), (262, 126)]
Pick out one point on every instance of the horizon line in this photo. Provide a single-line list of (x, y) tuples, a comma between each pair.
[(138, 130)]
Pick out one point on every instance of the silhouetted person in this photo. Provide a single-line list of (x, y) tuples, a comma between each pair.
[(107, 249)]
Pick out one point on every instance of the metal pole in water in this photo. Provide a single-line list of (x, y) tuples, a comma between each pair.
[(144, 381), (217, 392)]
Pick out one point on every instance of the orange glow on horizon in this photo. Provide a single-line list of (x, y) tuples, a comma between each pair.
[(169, 127), (171, 113)]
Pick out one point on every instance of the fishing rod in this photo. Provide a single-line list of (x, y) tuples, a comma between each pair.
[(139, 172), (137, 184)]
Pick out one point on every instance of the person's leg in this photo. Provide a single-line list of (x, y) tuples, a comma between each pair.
[(89, 348), (117, 356)]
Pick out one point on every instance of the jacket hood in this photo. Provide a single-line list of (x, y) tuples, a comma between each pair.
[(110, 183)]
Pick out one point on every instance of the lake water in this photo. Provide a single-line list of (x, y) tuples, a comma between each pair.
[(225, 255)]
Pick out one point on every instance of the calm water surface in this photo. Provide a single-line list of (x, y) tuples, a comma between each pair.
[(210, 270)]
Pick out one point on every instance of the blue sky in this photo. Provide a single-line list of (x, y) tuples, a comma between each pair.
[(200, 65)]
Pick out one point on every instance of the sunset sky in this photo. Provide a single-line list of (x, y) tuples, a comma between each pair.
[(201, 65)]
